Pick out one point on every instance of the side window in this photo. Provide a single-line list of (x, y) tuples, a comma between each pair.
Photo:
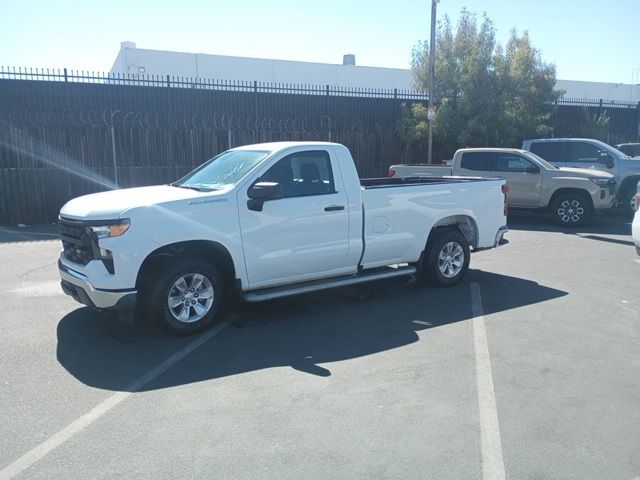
[(585, 152), (512, 163), (552, 151), (302, 174), (479, 161)]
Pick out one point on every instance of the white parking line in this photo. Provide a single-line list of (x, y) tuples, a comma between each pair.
[(492, 462), (635, 259), (68, 432)]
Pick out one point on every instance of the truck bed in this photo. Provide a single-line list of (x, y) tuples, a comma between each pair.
[(382, 182)]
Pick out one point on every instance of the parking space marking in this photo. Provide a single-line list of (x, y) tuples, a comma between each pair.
[(637, 260), (68, 432), (491, 444)]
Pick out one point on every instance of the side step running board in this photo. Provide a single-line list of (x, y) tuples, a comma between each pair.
[(326, 283)]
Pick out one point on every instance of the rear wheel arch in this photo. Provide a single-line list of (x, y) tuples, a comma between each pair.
[(463, 223)]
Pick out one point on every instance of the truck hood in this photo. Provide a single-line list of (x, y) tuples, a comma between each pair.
[(585, 172), (112, 204)]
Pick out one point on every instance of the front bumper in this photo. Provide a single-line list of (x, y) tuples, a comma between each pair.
[(603, 199), (76, 285)]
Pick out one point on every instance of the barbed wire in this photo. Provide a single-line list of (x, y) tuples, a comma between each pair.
[(223, 121)]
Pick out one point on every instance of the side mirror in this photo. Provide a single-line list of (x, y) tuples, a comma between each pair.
[(532, 169), (262, 192), (606, 158)]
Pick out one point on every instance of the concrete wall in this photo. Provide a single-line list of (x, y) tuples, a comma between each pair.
[(620, 92), (156, 62), (198, 65)]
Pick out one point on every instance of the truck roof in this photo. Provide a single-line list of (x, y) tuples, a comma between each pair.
[(274, 146), (563, 139), (492, 149)]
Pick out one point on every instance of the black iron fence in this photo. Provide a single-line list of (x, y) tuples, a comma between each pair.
[(67, 133)]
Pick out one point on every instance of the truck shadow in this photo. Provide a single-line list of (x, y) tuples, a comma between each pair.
[(609, 224), (305, 333)]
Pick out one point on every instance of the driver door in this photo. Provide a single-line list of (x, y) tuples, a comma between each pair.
[(303, 235)]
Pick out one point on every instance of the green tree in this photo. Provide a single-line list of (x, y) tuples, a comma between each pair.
[(485, 96)]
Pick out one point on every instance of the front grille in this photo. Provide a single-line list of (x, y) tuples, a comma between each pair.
[(76, 241)]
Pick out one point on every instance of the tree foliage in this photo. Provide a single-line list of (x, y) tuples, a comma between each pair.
[(485, 95)]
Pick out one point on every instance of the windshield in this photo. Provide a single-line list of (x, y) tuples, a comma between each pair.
[(542, 161), (222, 170)]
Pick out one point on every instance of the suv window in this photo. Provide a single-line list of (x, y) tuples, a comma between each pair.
[(585, 152), (552, 151), (479, 161), (512, 163), (302, 174)]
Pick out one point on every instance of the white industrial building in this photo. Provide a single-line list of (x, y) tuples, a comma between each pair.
[(133, 60)]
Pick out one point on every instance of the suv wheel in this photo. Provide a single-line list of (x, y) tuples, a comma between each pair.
[(570, 210)]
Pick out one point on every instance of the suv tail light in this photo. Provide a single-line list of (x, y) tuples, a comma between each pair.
[(391, 172)]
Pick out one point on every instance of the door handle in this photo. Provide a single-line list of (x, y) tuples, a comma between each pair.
[(333, 208)]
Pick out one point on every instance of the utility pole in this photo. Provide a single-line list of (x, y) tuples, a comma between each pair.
[(432, 71)]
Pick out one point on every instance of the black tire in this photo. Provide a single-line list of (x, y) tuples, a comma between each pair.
[(162, 287), (434, 268), (570, 210), (626, 197)]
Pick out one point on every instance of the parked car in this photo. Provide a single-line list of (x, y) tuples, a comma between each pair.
[(570, 195), (267, 221), (630, 149), (587, 153), (635, 226)]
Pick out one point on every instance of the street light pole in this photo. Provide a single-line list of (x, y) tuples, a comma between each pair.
[(432, 68)]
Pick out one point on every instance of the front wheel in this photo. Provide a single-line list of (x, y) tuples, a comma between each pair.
[(186, 295), (447, 258), (627, 204), (570, 210)]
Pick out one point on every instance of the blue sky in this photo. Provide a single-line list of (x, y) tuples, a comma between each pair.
[(586, 39)]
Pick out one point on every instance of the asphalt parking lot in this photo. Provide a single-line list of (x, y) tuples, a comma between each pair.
[(529, 369)]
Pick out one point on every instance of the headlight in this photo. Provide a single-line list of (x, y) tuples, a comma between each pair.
[(602, 181), (111, 230)]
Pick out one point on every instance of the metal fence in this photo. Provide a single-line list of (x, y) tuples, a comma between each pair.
[(169, 81), (576, 117)]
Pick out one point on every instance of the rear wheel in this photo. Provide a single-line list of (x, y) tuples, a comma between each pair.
[(187, 295), (447, 258), (570, 210)]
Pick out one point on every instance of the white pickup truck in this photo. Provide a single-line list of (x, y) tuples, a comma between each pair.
[(266, 221)]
